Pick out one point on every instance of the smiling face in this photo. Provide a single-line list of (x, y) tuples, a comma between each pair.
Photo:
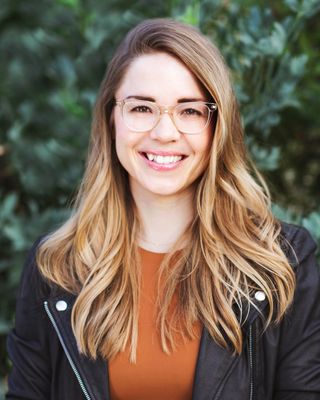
[(161, 161)]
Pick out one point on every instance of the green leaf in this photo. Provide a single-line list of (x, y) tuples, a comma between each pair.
[(266, 160), (15, 132), (292, 4), (5, 326), (285, 215), (69, 3), (7, 206), (312, 223), (192, 14), (274, 45), (298, 64)]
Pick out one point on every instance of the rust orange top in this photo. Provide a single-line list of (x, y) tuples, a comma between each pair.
[(156, 375)]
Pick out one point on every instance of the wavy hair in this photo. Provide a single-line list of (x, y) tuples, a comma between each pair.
[(236, 247)]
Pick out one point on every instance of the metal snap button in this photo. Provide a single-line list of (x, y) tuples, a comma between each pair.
[(61, 305), (260, 296)]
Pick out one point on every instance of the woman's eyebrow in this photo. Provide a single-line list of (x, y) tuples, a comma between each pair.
[(182, 100), (190, 99), (141, 98)]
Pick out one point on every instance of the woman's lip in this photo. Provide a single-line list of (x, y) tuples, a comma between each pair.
[(162, 153), (161, 167)]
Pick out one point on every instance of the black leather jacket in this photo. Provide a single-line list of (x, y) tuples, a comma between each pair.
[(281, 363)]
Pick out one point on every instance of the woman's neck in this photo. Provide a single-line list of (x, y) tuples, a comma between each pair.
[(163, 218)]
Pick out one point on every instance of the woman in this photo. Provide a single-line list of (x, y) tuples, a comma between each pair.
[(172, 279)]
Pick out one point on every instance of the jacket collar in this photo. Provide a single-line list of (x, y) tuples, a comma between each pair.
[(213, 364), (92, 373)]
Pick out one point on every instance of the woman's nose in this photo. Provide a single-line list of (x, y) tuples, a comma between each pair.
[(165, 130)]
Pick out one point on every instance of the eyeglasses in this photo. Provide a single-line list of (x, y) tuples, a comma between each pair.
[(191, 117)]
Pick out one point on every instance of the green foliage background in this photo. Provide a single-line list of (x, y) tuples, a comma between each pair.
[(53, 55)]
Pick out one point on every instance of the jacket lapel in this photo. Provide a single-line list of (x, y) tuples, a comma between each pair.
[(93, 373), (213, 366), (215, 363)]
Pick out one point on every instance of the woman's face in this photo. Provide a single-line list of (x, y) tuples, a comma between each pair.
[(161, 161)]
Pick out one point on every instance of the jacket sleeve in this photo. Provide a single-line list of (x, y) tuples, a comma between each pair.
[(298, 371), (27, 343)]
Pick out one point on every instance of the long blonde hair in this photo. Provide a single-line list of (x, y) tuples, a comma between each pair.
[(235, 238)]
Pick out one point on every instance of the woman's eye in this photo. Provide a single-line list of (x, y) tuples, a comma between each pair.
[(141, 109), (191, 111)]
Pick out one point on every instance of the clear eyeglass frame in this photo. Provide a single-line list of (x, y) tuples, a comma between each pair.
[(170, 110)]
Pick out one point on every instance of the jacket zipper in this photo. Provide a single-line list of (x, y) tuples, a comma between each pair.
[(251, 361), (74, 369)]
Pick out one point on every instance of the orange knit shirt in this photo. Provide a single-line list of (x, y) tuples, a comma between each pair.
[(156, 375)]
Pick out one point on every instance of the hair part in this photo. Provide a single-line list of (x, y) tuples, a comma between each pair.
[(235, 238)]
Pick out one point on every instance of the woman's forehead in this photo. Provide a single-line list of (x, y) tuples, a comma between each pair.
[(159, 75)]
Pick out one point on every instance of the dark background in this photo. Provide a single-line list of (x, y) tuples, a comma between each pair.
[(52, 59)]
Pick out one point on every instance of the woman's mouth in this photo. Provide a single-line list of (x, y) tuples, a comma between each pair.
[(159, 159), (163, 161)]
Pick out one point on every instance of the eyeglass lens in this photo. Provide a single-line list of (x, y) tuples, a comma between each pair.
[(189, 117)]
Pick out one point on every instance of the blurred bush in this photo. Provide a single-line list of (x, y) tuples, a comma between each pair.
[(53, 57)]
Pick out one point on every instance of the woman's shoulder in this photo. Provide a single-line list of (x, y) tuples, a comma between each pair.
[(299, 351), (296, 242), (33, 286), (301, 252)]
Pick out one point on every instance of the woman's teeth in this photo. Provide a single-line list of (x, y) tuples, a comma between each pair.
[(163, 159)]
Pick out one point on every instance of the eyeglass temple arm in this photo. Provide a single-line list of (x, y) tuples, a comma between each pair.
[(212, 106)]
